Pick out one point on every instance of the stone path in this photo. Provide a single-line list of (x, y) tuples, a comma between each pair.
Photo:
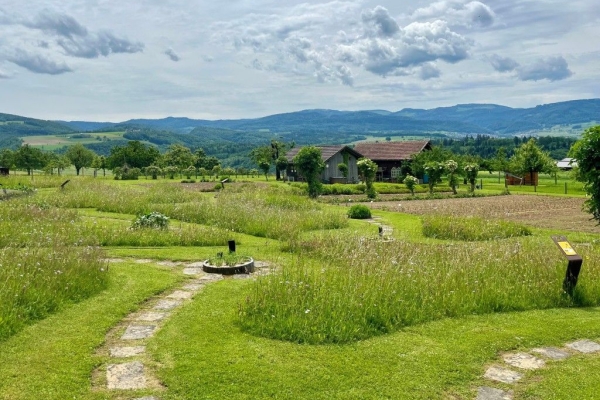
[(527, 362), (126, 343), (385, 231)]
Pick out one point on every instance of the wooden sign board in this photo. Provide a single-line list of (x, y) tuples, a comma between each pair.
[(574, 263)]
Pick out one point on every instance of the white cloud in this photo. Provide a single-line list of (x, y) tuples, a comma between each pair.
[(473, 13)]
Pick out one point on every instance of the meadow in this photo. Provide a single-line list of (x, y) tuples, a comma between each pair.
[(344, 313)]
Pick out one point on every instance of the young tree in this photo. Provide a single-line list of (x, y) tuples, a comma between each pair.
[(587, 153), (264, 166), (529, 158), (452, 169), (29, 158), (410, 182), (434, 170), (471, 171), (135, 154), (80, 156), (179, 156), (367, 169), (500, 163), (310, 165)]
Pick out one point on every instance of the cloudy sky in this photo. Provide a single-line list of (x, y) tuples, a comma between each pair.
[(109, 60)]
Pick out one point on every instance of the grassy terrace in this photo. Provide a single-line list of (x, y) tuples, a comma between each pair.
[(344, 315)]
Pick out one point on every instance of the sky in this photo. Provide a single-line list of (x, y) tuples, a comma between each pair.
[(109, 60)]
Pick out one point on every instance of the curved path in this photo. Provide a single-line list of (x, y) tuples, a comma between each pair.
[(507, 371), (125, 344)]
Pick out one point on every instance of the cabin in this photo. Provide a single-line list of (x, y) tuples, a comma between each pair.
[(390, 156), (332, 156), (4, 171)]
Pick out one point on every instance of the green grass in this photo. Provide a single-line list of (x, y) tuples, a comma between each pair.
[(54, 358), (471, 228), (412, 318), (429, 361)]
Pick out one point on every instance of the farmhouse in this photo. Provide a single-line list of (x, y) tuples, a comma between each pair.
[(390, 156), (332, 156)]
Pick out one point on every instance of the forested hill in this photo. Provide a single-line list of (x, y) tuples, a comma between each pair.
[(13, 127), (462, 119)]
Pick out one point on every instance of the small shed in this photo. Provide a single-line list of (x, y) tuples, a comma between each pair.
[(4, 171), (390, 156), (332, 156), (528, 179)]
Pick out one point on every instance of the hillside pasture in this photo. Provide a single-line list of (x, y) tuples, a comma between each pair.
[(53, 142)]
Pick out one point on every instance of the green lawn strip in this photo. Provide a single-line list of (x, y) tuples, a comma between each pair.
[(205, 355), (54, 358), (577, 377)]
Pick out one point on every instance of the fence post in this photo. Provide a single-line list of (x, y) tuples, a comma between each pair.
[(481, 184), (565, 187)]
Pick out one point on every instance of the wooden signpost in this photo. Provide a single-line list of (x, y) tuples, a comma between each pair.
[(574, 263)]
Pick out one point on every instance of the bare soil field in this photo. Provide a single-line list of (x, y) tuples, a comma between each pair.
[(564, 213)]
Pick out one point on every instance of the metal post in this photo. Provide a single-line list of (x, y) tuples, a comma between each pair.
[(231, 244)]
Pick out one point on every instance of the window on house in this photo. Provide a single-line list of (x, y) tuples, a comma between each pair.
[(395, 172)]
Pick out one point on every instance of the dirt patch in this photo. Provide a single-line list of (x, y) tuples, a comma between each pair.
[(564, 213)]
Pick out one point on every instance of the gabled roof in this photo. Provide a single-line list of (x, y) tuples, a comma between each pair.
[(566, 163), (326, 152), (392, 151)]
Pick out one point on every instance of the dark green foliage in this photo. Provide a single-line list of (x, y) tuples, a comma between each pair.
[(359, 211), (587, 153), (310, 164), (134, 154)]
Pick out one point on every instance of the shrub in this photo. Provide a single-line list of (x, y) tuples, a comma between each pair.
[(359, 211), (153, 220)]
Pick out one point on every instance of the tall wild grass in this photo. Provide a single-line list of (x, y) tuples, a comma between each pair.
[(43, 266), (342, 290), (471, 228)]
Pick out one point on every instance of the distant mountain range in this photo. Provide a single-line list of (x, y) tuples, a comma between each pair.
[(463, 119), (489, 119)]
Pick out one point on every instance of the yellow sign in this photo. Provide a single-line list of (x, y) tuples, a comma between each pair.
[(566, 247)]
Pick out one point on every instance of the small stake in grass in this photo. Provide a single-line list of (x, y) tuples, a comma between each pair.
[(573, 266), (231, 244)]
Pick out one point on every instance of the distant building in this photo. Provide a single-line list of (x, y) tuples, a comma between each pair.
[(390, 156), (566, 164), (332, 156)]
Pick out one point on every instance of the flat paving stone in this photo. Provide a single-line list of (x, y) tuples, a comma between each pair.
[(192, 271), (193, 287), (147, 398), (584, 346), (152, 316), (523, 361), (180, 295), (143, 261), (169, 263), (552, 353), (197, 264), (167, 304), (127, 351), (126, 376), (241, 276), (489, 393), (502, 375), (210, 277), (136, 332)]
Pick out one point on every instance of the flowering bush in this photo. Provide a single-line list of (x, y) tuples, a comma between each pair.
[(410, 182), (471, 171), (434, 170), (154, 220)]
